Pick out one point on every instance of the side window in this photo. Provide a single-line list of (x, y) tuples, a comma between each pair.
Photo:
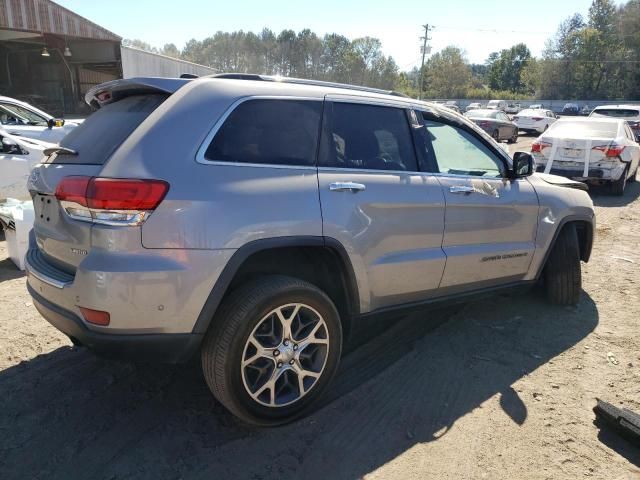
[(459, 152), (279, 132), (368, 137)]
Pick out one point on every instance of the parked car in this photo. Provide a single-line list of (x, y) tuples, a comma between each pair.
[(536, 106), (276, 215), (20, 118), (601, 150), (453, 106), (18, 155), (473, 106), (630, 113), (512, 108), (497, 105), (531, 121), (586, 110), (570, 109), (495, 123)]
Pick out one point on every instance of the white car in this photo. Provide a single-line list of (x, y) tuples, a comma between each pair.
[(512, 108), (531, 120), (630, 113), (473, 106), (21, 119), (18, 155), (497, 105), (536, 106), (601, 150)]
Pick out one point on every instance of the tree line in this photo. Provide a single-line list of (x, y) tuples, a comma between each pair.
[(597, 57)]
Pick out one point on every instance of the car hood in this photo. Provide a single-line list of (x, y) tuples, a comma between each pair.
[(559, 181)]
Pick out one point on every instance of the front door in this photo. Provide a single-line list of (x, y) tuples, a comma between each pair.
[(491, 221), (387, 214)]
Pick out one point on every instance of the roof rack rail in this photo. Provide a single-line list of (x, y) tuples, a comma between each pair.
[(304, 81)]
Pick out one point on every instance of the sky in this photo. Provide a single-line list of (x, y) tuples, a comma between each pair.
[(479, 27)]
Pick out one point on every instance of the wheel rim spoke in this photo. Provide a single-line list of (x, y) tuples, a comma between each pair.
[(285, 355)]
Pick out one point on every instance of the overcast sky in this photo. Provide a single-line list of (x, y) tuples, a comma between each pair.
[(477, 26)]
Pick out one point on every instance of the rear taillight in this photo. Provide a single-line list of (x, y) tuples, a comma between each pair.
[(516, 118), (111, 201), (610, 150), (483, 123), (536, 119), (539, 145)]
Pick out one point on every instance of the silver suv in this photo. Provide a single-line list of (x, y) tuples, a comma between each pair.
[(255, 220)]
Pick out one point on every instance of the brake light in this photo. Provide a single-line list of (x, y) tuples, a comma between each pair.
[(516, 118), (112, 201), (539, 145), (484, 123), (611, 150), (536, 119)]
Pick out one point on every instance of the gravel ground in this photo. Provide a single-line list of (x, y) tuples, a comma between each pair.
[(501, 388)]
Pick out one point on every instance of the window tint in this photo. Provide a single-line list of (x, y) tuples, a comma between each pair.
[(617, 112), (279, 132), (369, 137), (459, 152), (103, 132)]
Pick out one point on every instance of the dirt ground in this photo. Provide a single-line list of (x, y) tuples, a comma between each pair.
[(502, 388)]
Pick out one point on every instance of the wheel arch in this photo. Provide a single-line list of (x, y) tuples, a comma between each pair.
[(310, 258), (585, 228)]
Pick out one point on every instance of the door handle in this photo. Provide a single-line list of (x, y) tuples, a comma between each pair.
[(344, 186), (461, 189)]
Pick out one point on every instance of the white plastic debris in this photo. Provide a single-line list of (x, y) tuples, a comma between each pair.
[(17, 221)]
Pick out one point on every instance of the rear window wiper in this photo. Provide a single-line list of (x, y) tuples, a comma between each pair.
[(59, 151)]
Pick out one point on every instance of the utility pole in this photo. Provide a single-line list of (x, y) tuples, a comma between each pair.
[(425, 49)]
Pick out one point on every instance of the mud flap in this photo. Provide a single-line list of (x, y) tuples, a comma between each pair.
[(625, 422)]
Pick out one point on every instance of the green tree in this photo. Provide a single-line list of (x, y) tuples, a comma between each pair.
[(448, 75), (504, 69)]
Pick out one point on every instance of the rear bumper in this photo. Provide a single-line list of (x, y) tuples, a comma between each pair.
[(162, 347), (596, 174)]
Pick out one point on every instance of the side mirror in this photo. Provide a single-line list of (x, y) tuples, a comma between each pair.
[(523, 164), (55, 122)]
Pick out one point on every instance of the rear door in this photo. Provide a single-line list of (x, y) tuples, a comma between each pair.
[(491, 221), (376, 202), (63, 241)]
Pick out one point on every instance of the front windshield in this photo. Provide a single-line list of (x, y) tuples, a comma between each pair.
[(16, 115)]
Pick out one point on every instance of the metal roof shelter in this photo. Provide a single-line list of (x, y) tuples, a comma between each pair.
[(50, 56)]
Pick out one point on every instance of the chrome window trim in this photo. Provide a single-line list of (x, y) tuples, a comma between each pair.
[(200, 155), (373, 170)]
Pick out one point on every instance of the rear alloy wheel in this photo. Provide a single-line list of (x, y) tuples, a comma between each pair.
[(562, 272), (274, 348), (618, 186)]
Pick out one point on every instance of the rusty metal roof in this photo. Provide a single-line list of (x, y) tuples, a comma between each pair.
[(45, 16)]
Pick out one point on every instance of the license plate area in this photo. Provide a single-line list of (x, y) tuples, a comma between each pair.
[(46, 209), (572, 153)]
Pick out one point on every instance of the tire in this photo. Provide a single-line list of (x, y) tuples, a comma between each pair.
[(514, 139), (495, 135), (227, 347), (618, 186), (562, 273)]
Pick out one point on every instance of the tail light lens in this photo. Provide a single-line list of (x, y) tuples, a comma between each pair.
[(610, 150), (516, 118), (484, 123), (536, 119), (539, 145), (111, 201)]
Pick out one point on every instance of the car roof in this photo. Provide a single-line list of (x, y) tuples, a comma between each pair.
[(591, 119), (26, 105), (615, 107)]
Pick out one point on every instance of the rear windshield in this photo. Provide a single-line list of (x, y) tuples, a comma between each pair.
[(590, 129), (494, 102), (103, 132), (482, 114), (617, 112)]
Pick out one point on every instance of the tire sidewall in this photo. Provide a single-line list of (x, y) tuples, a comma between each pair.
[(270, 415)]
